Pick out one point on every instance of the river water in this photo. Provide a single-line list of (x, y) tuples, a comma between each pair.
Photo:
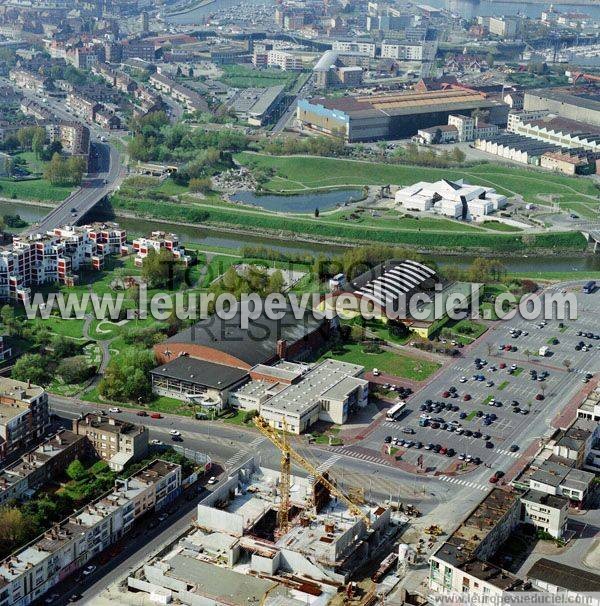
[(300, 203), (208, 237), (488, 8)]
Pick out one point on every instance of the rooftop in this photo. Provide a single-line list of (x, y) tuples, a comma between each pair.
[(330, 379), (566, 577), (201, 372), (543, 498), (20, 390), (255, 345), (107, 424)]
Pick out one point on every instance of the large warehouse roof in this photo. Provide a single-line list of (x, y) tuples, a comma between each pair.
[(184, 368), (392, 280), (397, 104), (255, 345)]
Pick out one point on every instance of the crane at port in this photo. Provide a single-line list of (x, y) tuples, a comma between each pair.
[(280, 440)]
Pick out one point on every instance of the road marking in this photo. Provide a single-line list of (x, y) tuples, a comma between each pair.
[(330, 462), (461, 482)]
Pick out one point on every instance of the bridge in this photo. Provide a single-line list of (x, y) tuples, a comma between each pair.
[(106, 176)]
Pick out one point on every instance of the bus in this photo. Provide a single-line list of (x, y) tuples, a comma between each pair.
[(590, 287), (394, 412)]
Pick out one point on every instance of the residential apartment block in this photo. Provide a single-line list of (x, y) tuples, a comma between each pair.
[(45, 462), (29, 80), (115, 441), (54, 256), (33, 570), (24, 417), (157, 241)]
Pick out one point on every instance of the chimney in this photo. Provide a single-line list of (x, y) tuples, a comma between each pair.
[(281, 350)]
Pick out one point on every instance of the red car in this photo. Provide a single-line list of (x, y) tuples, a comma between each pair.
[(539, 397), (443, 450), (494, 479), (445, 394), (155, 415), (502, 365), (467, 397)]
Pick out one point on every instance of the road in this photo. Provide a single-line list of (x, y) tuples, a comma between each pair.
[(105, 170), (291, 110)]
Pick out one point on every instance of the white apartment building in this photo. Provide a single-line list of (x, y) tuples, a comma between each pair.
[(454, 199), (30, 572), (284, 60), (546, 512), (403, 51), (350, 46), (470, 128), (156, 242)]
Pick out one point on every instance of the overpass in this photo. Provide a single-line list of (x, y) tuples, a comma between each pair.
[(106, 176)]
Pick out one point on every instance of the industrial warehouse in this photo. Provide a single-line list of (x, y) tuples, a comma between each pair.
[(388, 290), (393, 115)]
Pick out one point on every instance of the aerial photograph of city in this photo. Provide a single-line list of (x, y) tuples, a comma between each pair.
[(300, 302)]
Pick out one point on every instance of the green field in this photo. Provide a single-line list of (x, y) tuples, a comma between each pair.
[(388, 362), (240, 76), (292, 173), (33, 189), (326, 229)]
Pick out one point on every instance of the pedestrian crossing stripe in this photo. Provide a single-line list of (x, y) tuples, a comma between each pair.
[(461, 482)]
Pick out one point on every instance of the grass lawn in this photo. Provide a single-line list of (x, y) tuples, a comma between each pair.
[(498, 226), (502, 385), (472, 414), (467, 330), (66, 328), (33, 189), (399, 365), (160, 404), (240, 76), (297, 173)]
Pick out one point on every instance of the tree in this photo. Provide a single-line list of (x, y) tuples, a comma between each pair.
[(9, 166), (567, 364), (74, 370), (201, 185), (15, 528), (127, 379), (76, 471), (316, 213), (161, 269), (63, 347), (276, 282), (527, 354), (31, 367), (37, 142), (12, 324)]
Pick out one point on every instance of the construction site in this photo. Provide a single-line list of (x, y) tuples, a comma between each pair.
[(273, 537)]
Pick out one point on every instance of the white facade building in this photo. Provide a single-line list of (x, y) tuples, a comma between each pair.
[(454, 199)]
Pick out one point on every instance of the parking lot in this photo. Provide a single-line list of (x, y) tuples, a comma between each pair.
[(499, 441)]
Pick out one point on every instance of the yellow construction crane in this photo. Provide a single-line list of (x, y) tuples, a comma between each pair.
[(280, 440)]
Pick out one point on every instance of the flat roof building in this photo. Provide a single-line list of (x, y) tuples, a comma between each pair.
[(576, 103), (392, 115), (299, 395), (24, 415)]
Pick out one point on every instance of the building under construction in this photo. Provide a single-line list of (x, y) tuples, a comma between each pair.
[(305, 558)]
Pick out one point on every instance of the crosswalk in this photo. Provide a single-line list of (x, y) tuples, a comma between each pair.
[(507, 453), (355, 454), (461, 482), (244, 453)]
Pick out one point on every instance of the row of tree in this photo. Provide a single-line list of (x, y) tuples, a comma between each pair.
[(65, 171)]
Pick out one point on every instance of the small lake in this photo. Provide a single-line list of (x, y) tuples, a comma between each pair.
[(300, 203)]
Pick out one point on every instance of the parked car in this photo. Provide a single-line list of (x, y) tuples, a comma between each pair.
[(155, 415)]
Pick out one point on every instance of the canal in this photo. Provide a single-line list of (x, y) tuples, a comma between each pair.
[(219, 238)]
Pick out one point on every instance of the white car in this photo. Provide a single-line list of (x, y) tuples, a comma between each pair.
[(89, 569), (212, 480), (114, 409), (463, 379), (156, 442), (174, 432)]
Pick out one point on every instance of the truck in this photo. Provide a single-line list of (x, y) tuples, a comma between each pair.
[(544, 350)]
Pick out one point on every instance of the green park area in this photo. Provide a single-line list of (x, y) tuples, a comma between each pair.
[(298, 174), (241, 76), (387, 361)]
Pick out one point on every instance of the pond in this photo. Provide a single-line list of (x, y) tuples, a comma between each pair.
[(300, 203)]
